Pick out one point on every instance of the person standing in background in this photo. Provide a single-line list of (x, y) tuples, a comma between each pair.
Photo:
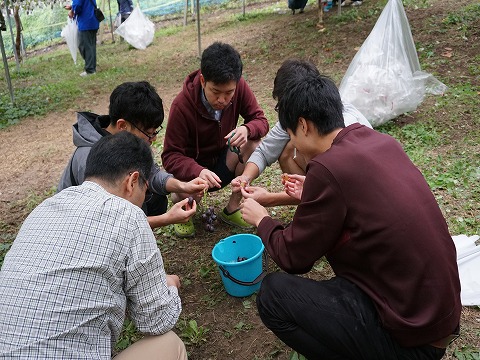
[(125, 8), (83, 11)]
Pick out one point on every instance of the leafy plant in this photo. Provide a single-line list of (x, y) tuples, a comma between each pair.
[(467, 353), (128, 336), (296, 356), (191, 333)]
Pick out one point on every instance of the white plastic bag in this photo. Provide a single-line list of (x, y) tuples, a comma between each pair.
[(468, 261), (118, 20), (137, 30), (70, 33), (384, 79)]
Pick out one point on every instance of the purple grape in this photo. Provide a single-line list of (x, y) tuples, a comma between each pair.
[(213, 217), (205, 217), (190, 201)]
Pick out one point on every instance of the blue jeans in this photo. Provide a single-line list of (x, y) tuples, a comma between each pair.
[(331, 319)]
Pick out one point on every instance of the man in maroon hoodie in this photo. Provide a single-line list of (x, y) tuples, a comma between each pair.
[(366, 208), (203, 139)]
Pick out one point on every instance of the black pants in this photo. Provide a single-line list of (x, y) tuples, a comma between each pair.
[(331, 319), (87, 45), (156, 205)]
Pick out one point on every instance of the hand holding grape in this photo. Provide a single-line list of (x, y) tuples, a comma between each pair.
[(252, 212), (182, 211), (294, 185), (211, 178), (239, 182), (253, 192)]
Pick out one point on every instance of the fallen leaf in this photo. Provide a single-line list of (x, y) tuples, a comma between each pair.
[(447, 54), (448, 49)]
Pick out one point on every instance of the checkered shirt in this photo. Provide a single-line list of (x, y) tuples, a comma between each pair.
[(81, 259)]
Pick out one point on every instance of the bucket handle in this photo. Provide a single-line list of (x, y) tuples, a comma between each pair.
[(246, 283)]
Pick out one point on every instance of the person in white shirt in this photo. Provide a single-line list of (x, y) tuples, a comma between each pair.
[(276, 144), (85, 258)]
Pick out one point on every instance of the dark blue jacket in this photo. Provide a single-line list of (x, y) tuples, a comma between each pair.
[(84, 14)]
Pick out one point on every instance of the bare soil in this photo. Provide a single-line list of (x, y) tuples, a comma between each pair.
[(34, 153)]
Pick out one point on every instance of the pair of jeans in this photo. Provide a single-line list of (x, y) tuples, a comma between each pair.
[(87, 46), (331, 319)]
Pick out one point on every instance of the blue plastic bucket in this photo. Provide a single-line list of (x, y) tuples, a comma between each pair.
[(239, 260)]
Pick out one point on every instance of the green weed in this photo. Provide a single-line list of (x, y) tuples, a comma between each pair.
[(467, 353), (128, 336), (191, 333)]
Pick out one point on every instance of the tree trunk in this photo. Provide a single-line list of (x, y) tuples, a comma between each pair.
[(18, 25)]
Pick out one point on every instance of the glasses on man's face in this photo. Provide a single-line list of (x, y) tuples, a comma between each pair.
[(148, 193), (149, 136)]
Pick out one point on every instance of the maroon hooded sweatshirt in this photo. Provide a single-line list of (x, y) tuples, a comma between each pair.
[(369, 210), (194, 140)]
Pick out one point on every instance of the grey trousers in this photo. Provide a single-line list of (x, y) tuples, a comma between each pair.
[(87, 45)]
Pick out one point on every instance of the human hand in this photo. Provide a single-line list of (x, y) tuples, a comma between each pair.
[(211, 178), (173, 280), (254, 192), (196, 188), (71, 14), (181, 212), (252, 211), (239, 182), (293, 185), (68, 7), (238, 137)]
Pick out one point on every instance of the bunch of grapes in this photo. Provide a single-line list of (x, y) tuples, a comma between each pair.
[(209, 218)]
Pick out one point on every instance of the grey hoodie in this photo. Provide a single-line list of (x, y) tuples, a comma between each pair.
[(87, 131)]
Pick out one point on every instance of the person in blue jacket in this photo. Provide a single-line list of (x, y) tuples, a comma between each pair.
[(125, 8), (83, 12)]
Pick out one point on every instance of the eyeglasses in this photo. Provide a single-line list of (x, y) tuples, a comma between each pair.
[(149, 136), (148, 193)]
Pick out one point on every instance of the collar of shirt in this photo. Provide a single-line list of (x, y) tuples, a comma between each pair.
[(216, 114)]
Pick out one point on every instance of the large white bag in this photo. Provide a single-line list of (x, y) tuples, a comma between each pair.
[(384, 79), (468, 261), (70, 33), (137, 30)]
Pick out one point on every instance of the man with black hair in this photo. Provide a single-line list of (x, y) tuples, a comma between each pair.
[(202, 138), (276, 145), (83, 259), (366, 208), (137, 108)]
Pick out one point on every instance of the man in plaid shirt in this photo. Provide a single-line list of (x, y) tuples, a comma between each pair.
[(85, 258)]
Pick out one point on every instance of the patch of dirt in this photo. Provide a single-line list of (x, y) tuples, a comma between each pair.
[(35, 152)]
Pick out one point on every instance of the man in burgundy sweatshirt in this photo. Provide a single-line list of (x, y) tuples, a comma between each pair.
[(203, 139), (366, 208)]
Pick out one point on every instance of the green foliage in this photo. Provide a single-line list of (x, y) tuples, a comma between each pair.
[(29, 101), (416, 4), (296, 356), (467, 353), (3, 251), (128, 336), (191, 333)]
